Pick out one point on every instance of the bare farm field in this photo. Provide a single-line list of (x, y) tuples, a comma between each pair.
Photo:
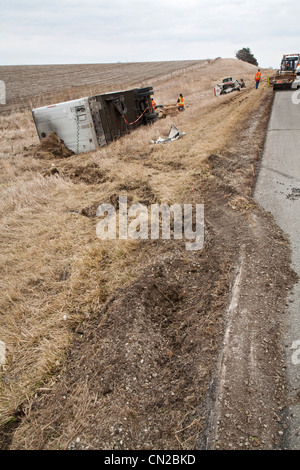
[(37, 85), (141, 344)]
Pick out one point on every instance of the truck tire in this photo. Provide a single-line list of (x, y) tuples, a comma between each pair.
[(147, 88), (149, 118), (145, 94)]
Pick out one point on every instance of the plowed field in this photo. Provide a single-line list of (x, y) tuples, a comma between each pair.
[(37, 84)]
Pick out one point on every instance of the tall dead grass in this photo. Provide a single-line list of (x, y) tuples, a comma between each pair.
[(55, 271)]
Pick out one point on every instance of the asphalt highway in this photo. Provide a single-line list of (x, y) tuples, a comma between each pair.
[(278, 191)]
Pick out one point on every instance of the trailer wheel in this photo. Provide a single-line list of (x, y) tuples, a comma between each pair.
[(149, 118), (145, 94), (143, 90)]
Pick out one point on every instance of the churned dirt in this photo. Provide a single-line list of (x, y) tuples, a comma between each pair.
[(188, 354), (50, 147)]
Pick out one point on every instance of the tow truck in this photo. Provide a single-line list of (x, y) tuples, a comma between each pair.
[(284, 78)]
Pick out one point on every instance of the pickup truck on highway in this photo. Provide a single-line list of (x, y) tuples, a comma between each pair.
[(296, 82)]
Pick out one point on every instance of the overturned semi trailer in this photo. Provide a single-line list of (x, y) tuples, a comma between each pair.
[(86, 124)]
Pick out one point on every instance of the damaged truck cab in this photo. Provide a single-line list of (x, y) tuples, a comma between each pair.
[(86, 124)]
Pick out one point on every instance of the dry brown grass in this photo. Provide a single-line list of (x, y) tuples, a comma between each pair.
[(55, 271)]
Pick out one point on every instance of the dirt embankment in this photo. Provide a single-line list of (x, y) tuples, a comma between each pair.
[(189, 355)]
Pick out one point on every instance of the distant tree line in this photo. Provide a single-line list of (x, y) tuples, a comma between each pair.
[(246, 55)]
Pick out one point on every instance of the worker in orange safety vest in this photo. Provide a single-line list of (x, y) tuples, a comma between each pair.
[(180, 103), (153, 105), (257, 78)]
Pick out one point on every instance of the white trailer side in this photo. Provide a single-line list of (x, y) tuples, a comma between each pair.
[(71, 121)]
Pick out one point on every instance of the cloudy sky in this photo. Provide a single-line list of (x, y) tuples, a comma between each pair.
[(96, 31)]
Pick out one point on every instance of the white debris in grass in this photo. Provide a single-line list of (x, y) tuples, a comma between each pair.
[(2, 353)]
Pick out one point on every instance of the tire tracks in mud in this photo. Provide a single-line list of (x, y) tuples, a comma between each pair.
[(247, 399)]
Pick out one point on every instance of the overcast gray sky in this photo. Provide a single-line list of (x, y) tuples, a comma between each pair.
[(96, 31)]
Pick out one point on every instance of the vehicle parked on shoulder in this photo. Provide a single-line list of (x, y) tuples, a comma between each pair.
[(296, 82)]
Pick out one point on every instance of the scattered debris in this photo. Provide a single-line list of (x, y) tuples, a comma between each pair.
[(51, 171), (166, 110), (2, 353), (295, 194), (174, 134)]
